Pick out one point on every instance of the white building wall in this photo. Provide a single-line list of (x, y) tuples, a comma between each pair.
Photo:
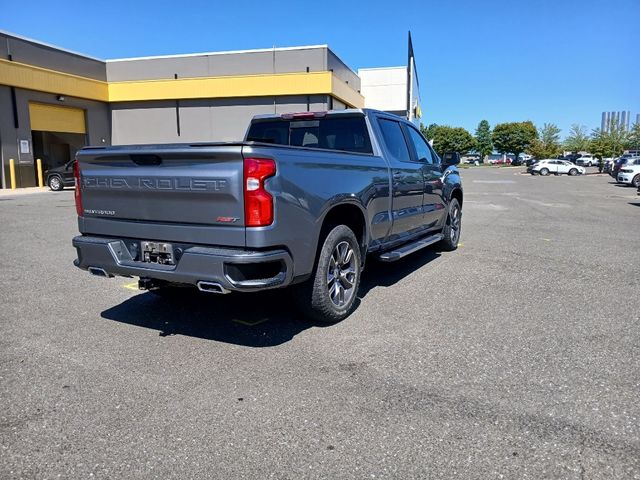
[(384, 88)]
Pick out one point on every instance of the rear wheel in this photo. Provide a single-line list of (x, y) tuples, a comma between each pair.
[(544, 172), (573, 172), (330, 294), (55, 183), (451, 230)]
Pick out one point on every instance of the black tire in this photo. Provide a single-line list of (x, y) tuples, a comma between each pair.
[(320, 297), (55, 183), (573, 172), (453, 227), (544, 172), (636, 181)]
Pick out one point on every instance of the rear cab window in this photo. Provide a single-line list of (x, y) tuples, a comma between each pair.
[(340, 132)]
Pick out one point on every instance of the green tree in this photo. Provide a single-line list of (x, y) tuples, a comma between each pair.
[(514, 137), (577, 140), (633, 138), (548, 143), (484, 144), (429, 131), (452, 139), (600, 145), (609, 143)]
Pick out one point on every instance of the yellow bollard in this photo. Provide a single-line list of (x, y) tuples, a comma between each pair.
[(12, 173), (39, 165)]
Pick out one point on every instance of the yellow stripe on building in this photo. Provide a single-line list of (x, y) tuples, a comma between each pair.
[(265, 85), (16, 74), (305, 83)]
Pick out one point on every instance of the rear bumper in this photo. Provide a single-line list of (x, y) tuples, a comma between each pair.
[(233, 269)]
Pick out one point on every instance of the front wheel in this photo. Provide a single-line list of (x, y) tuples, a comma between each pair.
[(451, 230), (636, 181), (55, 183), (573, 172), (544, 172), (330, 294)]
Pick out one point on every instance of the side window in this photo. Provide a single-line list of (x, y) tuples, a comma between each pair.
[(394, 140), (434, 155), (423, 153)]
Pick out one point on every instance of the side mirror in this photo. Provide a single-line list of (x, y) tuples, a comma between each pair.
[(451, 158)]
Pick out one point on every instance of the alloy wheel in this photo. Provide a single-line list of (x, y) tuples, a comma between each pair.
[(454, 231), (341, 274)]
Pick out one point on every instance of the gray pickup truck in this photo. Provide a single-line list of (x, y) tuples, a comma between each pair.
[(300, 202)]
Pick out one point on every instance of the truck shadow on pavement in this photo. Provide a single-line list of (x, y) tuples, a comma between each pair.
[(261, 319)]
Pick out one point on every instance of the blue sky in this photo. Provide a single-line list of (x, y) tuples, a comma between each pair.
[(556, 61)]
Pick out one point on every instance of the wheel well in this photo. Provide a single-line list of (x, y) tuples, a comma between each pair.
[(348, 215), (457, 194)]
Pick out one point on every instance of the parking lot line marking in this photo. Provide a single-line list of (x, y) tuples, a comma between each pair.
[(546, 239), (460, 244), (131, 286), (250, 324)]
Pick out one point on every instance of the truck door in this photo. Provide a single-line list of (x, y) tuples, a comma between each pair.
[(407, 180), (432, 197)]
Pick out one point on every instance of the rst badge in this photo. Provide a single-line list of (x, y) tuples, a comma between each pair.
[(227, 219)]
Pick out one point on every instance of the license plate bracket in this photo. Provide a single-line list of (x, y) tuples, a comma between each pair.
[(157, 252)]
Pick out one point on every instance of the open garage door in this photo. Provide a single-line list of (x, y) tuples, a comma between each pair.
[(55, 118), (57, 133)]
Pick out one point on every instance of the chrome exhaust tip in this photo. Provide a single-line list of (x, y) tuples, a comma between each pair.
[(99, 272), (211, 287)]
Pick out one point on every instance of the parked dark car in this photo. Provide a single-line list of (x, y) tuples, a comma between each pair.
[(571, 157), (530, 162), (60, 177)]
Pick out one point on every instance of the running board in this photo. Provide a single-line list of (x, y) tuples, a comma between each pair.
[(404, 250)]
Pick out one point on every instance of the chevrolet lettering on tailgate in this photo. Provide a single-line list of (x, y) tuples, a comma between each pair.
[(141, 183)]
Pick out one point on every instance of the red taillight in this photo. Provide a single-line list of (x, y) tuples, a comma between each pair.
[(78, 192), (258, 203)]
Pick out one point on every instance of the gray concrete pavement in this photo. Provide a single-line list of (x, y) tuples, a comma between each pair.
[(517, 356)]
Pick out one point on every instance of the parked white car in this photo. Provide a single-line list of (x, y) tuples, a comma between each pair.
[(587, 160), (630, 174), (557, 167)]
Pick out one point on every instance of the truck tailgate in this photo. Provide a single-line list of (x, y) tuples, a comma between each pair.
[(168, 185)]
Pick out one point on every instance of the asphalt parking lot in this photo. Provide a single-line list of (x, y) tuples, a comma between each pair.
[(517, 356)]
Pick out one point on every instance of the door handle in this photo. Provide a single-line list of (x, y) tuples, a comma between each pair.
[(397, 175)]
